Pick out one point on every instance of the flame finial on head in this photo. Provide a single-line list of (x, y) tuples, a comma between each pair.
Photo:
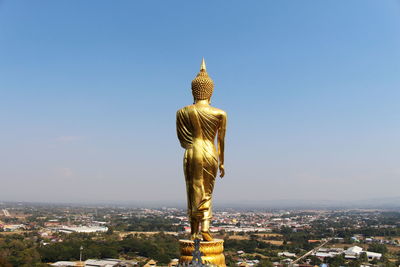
[(203, 65), (202, 85)]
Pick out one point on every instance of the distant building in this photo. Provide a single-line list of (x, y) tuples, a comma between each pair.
[(277, 264), (52, 223), (92, 263), (323, 253), (150, 263), (248, 263), (173, 263), (64, 264), (286, 254), (102, 263), (12, 227), (80, 229), (354, 252)]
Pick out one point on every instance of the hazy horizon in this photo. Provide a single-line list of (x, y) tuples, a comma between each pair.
[(276, 204), (89, 92)]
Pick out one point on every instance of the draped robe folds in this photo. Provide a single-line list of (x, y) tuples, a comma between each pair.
[(196, 129)]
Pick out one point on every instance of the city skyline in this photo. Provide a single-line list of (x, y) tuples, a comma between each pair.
[(89, 93)]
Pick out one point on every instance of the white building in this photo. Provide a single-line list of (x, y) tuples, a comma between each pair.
[(354, 252), (287, 254), (81, 229), (64, 264), (12, 227), (101, 263)]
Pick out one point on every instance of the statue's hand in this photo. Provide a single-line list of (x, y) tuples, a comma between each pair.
[(221, 170)]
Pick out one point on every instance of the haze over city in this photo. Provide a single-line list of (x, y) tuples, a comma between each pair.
[(89, 93)]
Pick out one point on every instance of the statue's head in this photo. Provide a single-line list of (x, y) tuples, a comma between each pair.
[(202, 85)]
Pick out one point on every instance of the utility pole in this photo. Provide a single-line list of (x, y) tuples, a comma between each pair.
[(80, 254)]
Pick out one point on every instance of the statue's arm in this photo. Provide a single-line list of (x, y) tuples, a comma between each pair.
[(221, 143), (183, 133), (179, 126)]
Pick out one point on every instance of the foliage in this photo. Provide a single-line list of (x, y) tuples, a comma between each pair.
[(379, 248), (144, 224), (354, 263), (265, 263), (159, 247), (14, 251), (336, 261), (17, 250), (315, 260)]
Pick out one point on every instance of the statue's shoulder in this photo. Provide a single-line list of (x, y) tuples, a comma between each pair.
[(219, 112), (185, 109)]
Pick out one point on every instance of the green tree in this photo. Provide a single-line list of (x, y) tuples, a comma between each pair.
[(230, 261), (336, 261), (379, 248), (4, 262), (354, 263), (315, 260), (363, 257), (265, 263)]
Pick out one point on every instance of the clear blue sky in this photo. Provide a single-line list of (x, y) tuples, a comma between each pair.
[(89, 91)]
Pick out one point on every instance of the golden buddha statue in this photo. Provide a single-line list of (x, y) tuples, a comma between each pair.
[(197, 126)]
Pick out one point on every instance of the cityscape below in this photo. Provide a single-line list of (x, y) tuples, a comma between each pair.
[(33, 234), (199, 134)]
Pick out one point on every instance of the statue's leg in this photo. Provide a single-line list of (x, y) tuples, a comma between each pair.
[(209, 173), (205, 230), (188, 170), (194, 228)]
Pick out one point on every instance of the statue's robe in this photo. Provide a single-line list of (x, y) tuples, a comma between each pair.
[(196, 129)]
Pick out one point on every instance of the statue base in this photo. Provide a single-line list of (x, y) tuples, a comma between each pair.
[(212, 251)]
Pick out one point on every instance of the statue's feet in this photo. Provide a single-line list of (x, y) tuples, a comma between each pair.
[(194, 236), (206, 236)]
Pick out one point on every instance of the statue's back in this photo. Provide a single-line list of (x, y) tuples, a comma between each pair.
[(197, 126), (204, 121)]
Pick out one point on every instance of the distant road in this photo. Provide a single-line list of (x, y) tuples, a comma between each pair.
[(311, 251), (6, 213)]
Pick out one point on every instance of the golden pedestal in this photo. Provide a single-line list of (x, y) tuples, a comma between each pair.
[(212, 251)]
